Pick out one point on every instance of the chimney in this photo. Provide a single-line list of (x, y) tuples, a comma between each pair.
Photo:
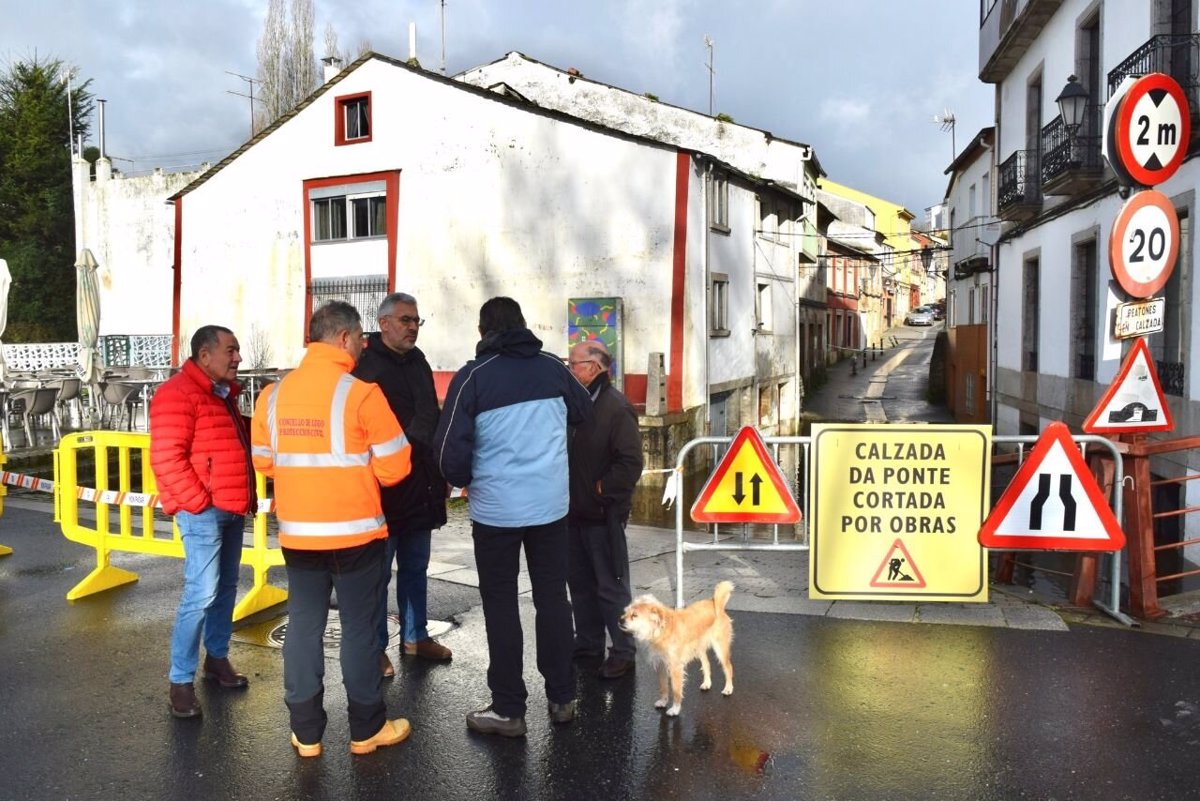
[(333, 65)]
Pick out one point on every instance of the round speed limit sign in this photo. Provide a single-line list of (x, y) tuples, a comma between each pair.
[(1144, 243)]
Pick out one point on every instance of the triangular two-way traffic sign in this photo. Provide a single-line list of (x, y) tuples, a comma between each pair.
[(1053, 503), (1134, 402), (746, 487)]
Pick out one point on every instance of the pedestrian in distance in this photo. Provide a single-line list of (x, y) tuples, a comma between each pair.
[(329, 441), (503, 432), (417, 505), (606, 464), (200, 454)]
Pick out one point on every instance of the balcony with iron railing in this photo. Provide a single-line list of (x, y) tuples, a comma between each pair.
[(1007, 29), (1019, 194), (1072, 163), (1177, 55)]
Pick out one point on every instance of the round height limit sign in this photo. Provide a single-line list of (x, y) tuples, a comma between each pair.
[(1153, 128)]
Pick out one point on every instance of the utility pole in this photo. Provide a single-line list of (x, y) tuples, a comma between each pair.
[(708, 42), (443, 37), (250, 82)]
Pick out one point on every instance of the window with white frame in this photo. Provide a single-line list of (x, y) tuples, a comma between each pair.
[(719, 305), (356, 211), (718, 202), (353, 121)]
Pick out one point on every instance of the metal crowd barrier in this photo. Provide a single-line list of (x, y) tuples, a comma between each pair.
[(799, 488), (132, 528), (4, 549)]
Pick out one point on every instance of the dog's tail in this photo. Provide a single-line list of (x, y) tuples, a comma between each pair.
[(721, 595)]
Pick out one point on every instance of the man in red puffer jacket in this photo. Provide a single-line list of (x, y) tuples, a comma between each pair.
[(200, 454)]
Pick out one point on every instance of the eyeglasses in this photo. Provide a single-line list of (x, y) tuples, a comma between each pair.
[(406, 320), (583, 361)]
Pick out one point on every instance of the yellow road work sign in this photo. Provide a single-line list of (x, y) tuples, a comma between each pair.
[(746, 487), (896, 510)]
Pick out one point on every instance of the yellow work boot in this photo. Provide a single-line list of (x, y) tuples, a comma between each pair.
[(306, 750), (392, 732)]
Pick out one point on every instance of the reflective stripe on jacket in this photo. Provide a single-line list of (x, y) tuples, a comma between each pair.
[(328, 440)]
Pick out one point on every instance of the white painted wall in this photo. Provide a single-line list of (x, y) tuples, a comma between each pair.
[(129, 227)]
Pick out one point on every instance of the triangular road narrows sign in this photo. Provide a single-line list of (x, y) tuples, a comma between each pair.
[(1053, 503), (746, 487), (1134, 402), (898, 570)]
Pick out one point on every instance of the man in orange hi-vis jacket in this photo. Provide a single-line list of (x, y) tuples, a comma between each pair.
[(329, 441)]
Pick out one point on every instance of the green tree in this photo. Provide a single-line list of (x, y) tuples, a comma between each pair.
[(37, 214)]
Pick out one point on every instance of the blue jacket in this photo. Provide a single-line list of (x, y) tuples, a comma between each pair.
[(503, 431)]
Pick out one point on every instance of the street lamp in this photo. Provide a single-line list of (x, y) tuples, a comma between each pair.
[(926, 258), (1072, 103)]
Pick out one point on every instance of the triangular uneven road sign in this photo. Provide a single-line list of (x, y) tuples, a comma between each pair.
[(898, 569), (1134, 402), (1053, 503), (746, 487)]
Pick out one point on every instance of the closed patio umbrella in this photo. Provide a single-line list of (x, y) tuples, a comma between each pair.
[(5, 285), (87, 316)]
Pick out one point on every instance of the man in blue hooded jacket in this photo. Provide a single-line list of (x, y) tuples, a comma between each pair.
[(503, 431)]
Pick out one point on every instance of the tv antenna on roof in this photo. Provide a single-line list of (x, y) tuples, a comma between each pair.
[(708, 42), (947, 121)]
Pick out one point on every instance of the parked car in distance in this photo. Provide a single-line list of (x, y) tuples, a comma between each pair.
[(939, 311), (919, 316)]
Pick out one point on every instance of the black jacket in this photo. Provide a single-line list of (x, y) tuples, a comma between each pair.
[(418, 502), (607, 450)]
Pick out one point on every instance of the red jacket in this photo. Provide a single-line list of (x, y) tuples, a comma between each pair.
[(199, 446)]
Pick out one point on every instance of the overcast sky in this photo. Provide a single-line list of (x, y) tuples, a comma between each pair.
[(860, 80)]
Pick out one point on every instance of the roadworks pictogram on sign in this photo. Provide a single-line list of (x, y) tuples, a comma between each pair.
[(898, 569), (746, 487)]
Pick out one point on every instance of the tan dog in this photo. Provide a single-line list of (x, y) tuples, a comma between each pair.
[(677, 636)]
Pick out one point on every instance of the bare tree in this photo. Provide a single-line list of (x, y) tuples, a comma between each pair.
[(259, 348), (287, 68)]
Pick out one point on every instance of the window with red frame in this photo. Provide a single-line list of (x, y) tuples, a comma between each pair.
[(353, 124)]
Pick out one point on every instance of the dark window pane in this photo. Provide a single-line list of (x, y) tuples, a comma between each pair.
[(362, 216), (378, 216), (337, 218)]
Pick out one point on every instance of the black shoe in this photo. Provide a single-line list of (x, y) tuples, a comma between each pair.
[(562, 713), (615, 667), (487, 721), (183, 701)]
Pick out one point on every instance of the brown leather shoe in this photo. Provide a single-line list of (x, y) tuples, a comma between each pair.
[(386, 668), (222, 672), (183, 701), (428, 649)]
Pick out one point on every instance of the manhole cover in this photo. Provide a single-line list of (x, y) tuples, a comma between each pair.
[(333, 632)]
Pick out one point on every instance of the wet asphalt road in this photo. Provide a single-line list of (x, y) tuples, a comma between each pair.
[(823, 709)]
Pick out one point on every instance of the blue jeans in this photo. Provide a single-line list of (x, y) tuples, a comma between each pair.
[(212, 552), (410, 552)]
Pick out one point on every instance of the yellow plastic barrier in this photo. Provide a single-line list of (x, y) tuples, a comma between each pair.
[(135, 532), (4, 549)]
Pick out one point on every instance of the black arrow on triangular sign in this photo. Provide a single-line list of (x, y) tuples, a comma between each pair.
[(738, 495), (756, 481)]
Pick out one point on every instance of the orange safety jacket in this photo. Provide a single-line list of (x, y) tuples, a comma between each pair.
[(329, 440)]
